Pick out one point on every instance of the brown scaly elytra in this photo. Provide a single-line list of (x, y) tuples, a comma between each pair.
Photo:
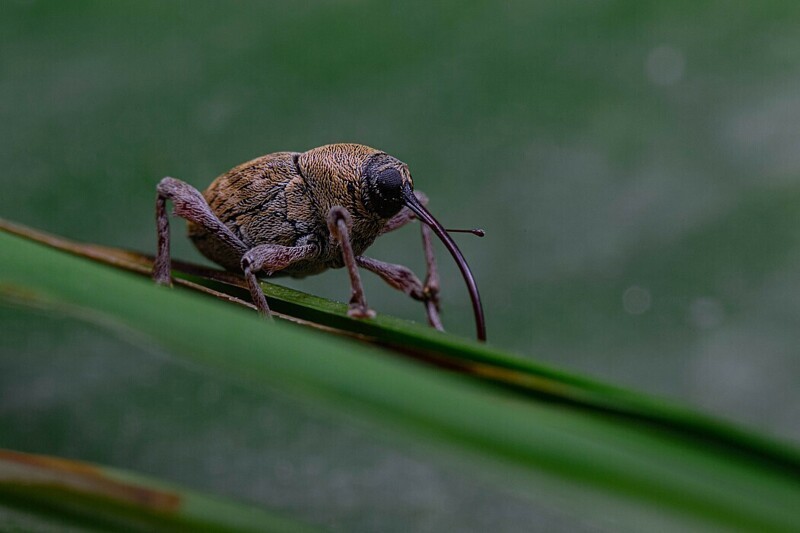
[(291, 213)]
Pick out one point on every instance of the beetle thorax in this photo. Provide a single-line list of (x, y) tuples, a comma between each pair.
[(333, 174)]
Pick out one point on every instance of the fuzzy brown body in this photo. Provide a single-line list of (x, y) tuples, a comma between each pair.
[(301, 213), (283, 198)]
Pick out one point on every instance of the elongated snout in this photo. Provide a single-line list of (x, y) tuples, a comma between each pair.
[(425, 216)]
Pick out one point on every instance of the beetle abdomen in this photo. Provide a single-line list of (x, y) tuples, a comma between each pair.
[(263, 201)]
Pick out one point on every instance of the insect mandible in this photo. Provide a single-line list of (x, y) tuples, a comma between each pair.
[(297, 214)]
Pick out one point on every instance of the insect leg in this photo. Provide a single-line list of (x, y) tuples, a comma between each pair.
[(430, 291), (339, 224), (188, 204), (431, 288), (404, 280), (269, 258)]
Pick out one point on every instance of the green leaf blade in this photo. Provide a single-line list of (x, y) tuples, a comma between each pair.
[(488, 431)]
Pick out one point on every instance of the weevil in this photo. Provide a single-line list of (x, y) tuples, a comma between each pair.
[(298, 214)]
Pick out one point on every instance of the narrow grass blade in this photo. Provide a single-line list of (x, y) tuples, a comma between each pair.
[(409, 339), (508, 436), (44, 492)]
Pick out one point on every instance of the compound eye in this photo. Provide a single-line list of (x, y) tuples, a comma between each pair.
[(389, 182), (388, 192)]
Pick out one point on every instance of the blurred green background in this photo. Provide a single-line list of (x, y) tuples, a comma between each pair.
[(635, 165)]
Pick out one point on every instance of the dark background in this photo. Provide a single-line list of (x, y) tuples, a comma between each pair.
[(635, 165)]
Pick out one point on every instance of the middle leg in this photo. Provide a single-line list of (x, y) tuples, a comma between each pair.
[(270, 258), (404, 280)]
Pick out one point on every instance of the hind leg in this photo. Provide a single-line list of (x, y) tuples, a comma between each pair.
[(189, 204)]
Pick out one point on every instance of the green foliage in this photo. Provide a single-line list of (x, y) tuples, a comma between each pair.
[(633, 162), (39, 493), (639, 463)]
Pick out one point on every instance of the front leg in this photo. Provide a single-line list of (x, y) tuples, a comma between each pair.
[(339, 224), (270, 258), (431, 289)]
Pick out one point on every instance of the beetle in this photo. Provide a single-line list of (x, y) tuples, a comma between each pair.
[(298, 214)]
